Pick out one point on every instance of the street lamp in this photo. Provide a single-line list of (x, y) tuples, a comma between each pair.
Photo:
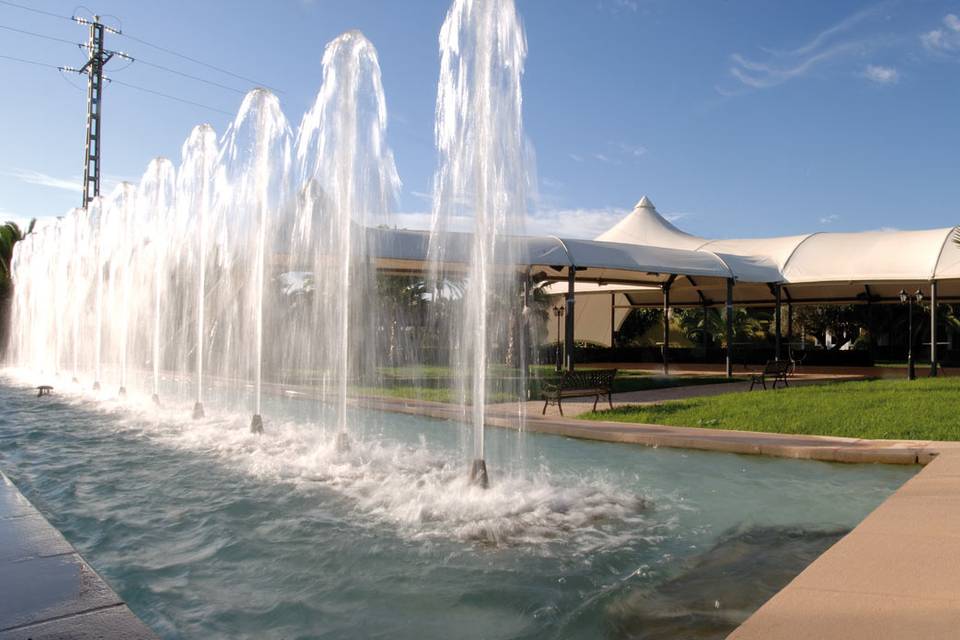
[(559, 312), (907, 299)]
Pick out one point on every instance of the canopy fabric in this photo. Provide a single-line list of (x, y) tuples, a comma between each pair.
[(816, 268)]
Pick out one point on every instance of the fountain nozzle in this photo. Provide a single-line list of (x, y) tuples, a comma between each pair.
[(96, 386), (256, 424), (342, 443), (478, 474), (122, 392), (156, 399), (198, 411)]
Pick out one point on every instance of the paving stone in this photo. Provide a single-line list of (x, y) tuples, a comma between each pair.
[(112, 623), (36, 590)]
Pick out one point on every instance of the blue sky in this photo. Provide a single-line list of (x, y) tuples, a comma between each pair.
[(740, 118)]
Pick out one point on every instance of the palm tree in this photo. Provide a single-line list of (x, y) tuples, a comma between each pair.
[(10, 235)]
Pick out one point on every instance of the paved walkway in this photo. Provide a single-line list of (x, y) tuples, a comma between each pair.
[(576, 406), (47, 590)]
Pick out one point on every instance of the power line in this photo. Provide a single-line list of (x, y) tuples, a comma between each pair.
[(33, 62), (41, 35), (200, 62), (35, 10), (168, 96), (187, 75), (120, 82)]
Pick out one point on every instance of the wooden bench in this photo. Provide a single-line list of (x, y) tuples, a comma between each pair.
[(44, 390), (575, 384), (776, 369)]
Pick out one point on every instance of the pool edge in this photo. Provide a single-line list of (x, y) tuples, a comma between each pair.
[(36, 563)]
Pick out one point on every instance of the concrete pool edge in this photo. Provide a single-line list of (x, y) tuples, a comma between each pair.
[(48, 590), (808, 447)]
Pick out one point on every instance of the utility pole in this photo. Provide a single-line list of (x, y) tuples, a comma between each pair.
[(98, 58)]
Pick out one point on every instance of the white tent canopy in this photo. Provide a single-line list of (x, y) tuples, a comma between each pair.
[(840, 268)]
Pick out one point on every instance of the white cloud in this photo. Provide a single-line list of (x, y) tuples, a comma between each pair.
[(833, 43), (630, 149), (945, 39), (573, 223), (830, 219), (44, 180), (575, 157), (761, 76), (616, 6), (422, 195), (569, 223), (881, 75)]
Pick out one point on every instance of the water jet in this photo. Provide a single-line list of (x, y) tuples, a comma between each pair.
[(478, 474), (198, 411)]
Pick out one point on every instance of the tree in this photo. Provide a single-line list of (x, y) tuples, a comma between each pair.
[(10, 235)]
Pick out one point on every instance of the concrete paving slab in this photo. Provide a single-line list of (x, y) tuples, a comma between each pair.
[(28, 537), (810, 614), (113, 623), (40, 589), (46, 589)]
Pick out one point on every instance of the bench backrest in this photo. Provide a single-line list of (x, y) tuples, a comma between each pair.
[(777, 367), (591, 379)]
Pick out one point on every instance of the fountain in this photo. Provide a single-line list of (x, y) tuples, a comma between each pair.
[(194, 194), (349, 183), (253, 263), (482, 175)]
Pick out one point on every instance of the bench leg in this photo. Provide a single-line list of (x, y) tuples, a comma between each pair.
[(545, 403), (596, 399), (610, 398), (560, 405)]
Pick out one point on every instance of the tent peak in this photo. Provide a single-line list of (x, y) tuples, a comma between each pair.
[(645, 203)]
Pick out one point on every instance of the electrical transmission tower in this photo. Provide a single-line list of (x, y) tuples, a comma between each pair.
[(98, 58)]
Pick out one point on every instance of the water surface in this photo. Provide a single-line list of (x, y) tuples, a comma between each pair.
[(210, 532)]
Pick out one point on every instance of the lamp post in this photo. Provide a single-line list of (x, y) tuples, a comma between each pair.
[(559, 312), (908, 299)]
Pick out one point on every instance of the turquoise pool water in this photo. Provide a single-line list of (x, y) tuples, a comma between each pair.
[(210, 532)]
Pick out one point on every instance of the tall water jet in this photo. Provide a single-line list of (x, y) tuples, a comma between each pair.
[(252, 187), (121, 229), (194, 187), (349, 182), (482, 174), (95, 208), (156, 196)]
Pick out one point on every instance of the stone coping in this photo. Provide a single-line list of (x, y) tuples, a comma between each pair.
[(823, 448), (47, 590)]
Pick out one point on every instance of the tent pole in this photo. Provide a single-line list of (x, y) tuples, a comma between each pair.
[(729, 309), (568, 333), (706, 335), (789, 323), (613, 320), (933, 328), (777, 321), (666, 329)]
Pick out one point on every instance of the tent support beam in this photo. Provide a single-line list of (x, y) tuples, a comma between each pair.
[(933, 329), (729, 309), (777, 321), (568, 335), (613, 320), (789, 324), (666, 324)]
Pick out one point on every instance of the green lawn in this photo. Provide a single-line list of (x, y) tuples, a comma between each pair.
[(436, 383), (926, 409)]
